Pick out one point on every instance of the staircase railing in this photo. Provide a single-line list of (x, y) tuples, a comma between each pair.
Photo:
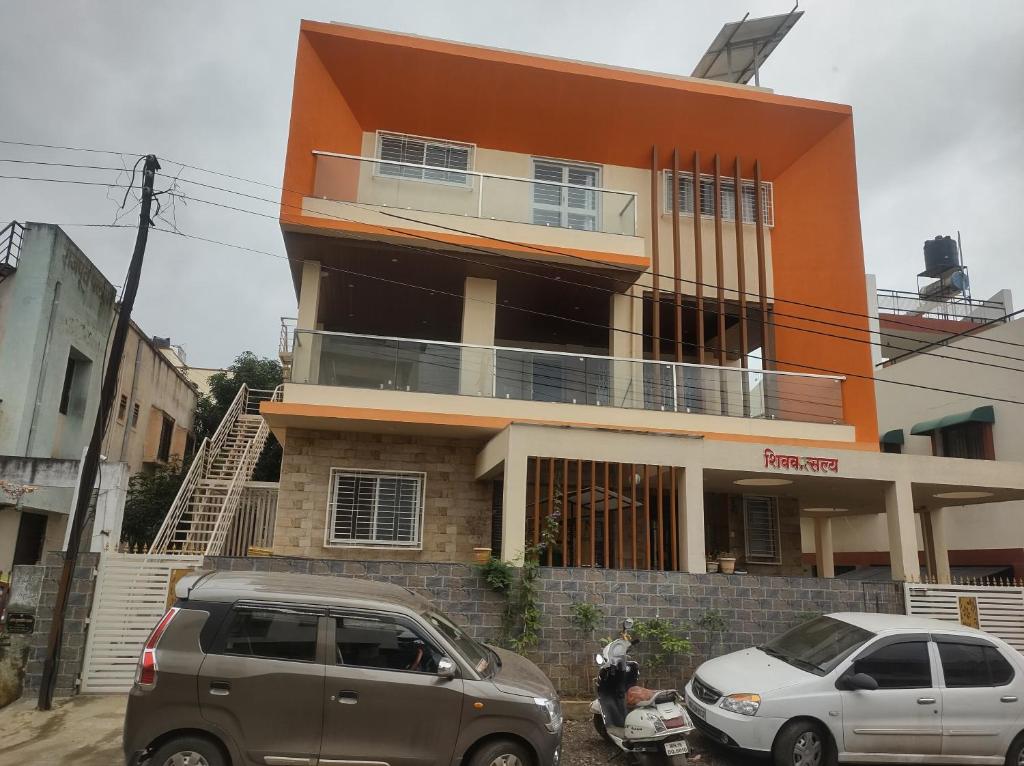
[(165, 541)]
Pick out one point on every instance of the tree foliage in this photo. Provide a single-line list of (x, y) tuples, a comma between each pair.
[(149, 498), (259, 373)]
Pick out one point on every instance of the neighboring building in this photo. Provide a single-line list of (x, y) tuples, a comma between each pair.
[(983, 541), (199, 376), (56, 315), (476, 249)]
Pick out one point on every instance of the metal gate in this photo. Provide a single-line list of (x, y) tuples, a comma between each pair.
[(129, 599), (998, 610)]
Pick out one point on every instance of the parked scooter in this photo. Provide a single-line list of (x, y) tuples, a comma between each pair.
[(649, 726)]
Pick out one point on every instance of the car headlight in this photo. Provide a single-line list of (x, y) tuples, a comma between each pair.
[(553, 711), (744, 704)]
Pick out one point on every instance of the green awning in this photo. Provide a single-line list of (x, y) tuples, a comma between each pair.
[(893, 437), (984, 414)]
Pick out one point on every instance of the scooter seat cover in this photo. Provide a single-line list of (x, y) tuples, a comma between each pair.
[(638, 696)]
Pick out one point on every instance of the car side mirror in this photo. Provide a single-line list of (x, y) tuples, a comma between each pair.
[(447, 669), (861, 682)]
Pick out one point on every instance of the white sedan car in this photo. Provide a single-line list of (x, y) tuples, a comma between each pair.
[(867, 688)]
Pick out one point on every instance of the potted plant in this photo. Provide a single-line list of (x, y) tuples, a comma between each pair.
[(712, 562), (727, 562)]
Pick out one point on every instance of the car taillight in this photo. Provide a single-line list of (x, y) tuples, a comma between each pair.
[(145, 674)]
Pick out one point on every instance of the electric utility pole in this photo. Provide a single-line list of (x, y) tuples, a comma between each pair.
[(90, 464)]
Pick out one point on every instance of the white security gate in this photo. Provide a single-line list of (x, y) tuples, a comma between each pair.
[(996, 609), (129, 599)]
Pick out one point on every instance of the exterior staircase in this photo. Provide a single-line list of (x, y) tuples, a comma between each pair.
[(206, 504)]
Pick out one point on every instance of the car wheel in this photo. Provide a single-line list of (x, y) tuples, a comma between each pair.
[(1016, 755), (188, 751), (803, 743), (502, 752), (601, 729)]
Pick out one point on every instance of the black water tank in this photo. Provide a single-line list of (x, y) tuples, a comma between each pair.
[(940, 256)]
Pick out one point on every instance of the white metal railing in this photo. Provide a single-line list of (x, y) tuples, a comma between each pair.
[(287, 336), (254, 520), (404, 364), (904, 303), (472, 193)]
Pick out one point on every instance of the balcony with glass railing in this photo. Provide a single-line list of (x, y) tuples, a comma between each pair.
[(541, 210), (517, 374)]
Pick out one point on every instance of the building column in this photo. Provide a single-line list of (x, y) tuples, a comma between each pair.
[(476, 367), (690, 513), (513, 509), (940, 544), (626, 376), (306, 352), (899, 512), (823, 550)]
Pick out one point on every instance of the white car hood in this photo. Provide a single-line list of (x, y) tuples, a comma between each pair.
[(750, 671)]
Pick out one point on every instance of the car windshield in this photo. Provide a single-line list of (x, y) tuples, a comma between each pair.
[(817, 646), (475, 653)]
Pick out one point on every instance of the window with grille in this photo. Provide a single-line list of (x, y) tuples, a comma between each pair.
[(727, 195), (761, 529), (567, 206), (442, 159), (375, 508)]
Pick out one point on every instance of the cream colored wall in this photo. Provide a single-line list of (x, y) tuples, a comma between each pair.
[(993, 526), (150, 379)]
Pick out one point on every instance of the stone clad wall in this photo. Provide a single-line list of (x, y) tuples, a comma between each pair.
[(754, 607), (457, 510)]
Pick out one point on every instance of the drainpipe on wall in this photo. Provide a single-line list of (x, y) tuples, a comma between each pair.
[(42, 369)]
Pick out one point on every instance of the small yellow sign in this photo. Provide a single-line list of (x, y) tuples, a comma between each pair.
[(969, 612)]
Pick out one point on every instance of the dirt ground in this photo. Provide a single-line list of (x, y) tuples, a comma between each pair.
[(86, 731)]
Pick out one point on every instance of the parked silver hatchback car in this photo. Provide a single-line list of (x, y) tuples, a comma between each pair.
[(252, 668)]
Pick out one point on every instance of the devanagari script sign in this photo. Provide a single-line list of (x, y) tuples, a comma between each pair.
[(799, 463)]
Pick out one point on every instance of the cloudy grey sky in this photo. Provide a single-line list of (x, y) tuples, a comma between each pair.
[(937, 88)]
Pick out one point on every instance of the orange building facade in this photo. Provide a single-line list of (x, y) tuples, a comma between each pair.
[(546, 301)]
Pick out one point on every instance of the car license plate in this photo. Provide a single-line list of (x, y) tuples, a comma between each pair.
[(696, 709), (679, 747)]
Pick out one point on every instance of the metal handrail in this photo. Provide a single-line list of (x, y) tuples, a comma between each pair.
[(181, 500), (663, 363), (477, 173)]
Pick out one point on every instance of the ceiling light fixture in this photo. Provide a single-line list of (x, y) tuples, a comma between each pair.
[(763, 482), (967, 495)]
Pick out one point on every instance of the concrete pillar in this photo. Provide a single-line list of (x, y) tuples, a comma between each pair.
[(690, 500), (513, 509), (899, 513), (940, 544), (476, 368), (627, 377), (823, 550), (306, 353)]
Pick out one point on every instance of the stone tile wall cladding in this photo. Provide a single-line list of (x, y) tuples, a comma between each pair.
[(754, 607), (73, 646), (457, 515)]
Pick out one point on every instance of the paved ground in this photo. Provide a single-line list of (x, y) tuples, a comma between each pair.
[(86, 731)]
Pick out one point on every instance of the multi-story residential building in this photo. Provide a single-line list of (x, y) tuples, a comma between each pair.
[(56, 315), (547, 299), (950, 418)]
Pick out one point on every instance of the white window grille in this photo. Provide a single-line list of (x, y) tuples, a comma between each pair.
[(761, 529), (727, 194), (440, 158), (568, 207), (367, 507)]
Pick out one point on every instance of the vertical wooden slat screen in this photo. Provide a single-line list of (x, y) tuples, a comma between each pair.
[(565, 513), (632, 507), (661, 519), (719, 263), (699, 256), (618, 514), (741, 282), (677, 292), (578, 550), (762, 269), (536, 500), (593, 513), (647, 517), (655, 260), (551, 502), (607, 519), (673, 511)]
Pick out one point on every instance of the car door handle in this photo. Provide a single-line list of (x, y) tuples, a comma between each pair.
[(220, 688), (1009, 698), (926, 700), (345, 697)]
